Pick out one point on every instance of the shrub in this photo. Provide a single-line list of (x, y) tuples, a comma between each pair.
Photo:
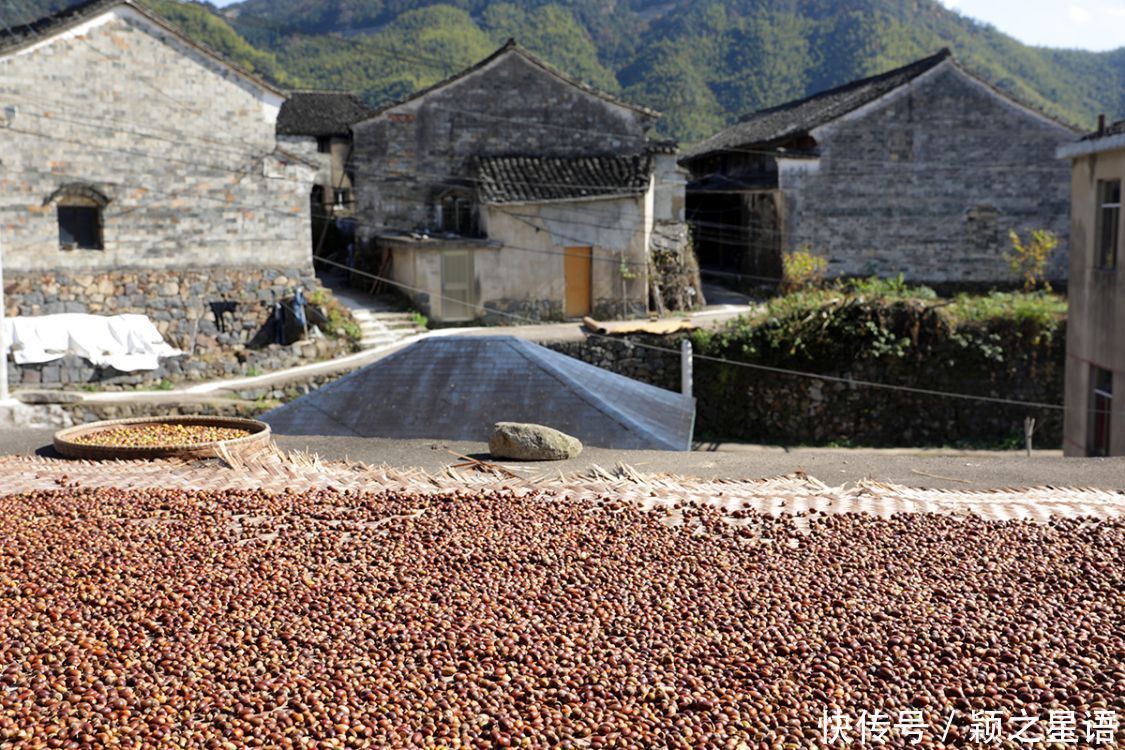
[(801, 269), (1029, 260)]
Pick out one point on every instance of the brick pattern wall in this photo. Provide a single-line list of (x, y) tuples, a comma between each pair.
[(183, 149), (928, 183), (509, 107)]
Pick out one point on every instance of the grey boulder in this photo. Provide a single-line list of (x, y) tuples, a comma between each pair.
[(531, 442)]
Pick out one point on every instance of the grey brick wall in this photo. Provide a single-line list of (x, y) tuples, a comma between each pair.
[(183, 148), (928, 182), (510, 106)]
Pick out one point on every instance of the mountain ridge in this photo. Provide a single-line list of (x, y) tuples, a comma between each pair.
[(703, 63)]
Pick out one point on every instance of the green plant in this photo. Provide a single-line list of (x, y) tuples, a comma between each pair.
[(801, 269), (252, 372), (1029, 260), (896, 287), (339, 321), (419, 319), (165, 385)]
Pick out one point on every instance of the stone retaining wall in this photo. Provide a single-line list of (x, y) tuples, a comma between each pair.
[(742, 404), (180, 305)]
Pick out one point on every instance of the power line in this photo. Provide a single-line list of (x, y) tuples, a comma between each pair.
[(733, 363)]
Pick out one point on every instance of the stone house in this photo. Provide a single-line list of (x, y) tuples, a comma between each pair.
[(317, 125), (922, 171), (1095, 342), (512, 191), (142, 174)]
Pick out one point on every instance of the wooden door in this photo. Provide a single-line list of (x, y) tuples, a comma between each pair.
[(457, 286), (577, 275)]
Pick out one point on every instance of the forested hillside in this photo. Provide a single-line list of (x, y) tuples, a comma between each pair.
[(701, 62)]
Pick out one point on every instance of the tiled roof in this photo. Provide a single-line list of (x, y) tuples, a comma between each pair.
[(456, 388), (528, 179), (16, 34), (320, 113), (17, 30), (1117, 128), (513, 47), (794, 118)]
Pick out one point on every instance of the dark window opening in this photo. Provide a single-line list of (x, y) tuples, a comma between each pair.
[(317, 195), (324, 145), (1108, 223), (342, 197), (459, 215), (80, 227), (1101, 407)]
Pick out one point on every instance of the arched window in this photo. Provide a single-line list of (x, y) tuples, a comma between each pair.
[(79, 207)]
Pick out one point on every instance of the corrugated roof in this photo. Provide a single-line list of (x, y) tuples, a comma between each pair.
[(457, 388), (528, 179), (320, 113), (797, 117)]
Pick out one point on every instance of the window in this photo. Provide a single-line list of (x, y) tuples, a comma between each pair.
[(1108, 223), (342, 197), (458, 215), (79, 209), (902, 145), (1101, 406), (324, 145), (81, 227)]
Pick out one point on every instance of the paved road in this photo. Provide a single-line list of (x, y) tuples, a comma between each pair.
[(922, 468)]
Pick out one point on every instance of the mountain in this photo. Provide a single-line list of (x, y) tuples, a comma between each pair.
[(701, 62)]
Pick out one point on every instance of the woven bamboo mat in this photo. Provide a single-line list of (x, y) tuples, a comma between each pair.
[(272, 470)]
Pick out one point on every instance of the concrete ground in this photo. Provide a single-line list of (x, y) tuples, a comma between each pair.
[(932, 468)]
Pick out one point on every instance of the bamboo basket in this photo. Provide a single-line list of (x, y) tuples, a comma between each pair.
[(258, 438)]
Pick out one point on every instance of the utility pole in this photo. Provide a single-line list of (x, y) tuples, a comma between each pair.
[(3, 330), (9, 113), (687, 375)]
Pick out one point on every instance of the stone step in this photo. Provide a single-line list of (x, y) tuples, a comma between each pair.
[(394, 315)]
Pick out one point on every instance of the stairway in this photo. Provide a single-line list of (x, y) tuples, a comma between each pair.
[(381, 328), (381, 319)]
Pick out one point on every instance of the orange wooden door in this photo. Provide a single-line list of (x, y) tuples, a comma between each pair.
[(577, 275)]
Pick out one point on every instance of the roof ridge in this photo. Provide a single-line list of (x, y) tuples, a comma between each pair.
[(921, 66), (62, 20), (513, 46)]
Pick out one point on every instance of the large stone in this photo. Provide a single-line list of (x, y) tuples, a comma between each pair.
[(532, 442)]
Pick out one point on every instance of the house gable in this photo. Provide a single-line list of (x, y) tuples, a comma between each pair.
[(78, 21), (182, 146), (509, 56)]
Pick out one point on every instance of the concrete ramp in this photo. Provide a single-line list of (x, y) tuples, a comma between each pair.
[(456, 388)]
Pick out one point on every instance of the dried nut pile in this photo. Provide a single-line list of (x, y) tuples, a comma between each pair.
[(224, 620), (160, 435)]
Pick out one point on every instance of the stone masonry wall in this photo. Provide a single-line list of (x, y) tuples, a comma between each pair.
[(180, 149), (179, 304), (511, 106), (747, 405), (928, 182)]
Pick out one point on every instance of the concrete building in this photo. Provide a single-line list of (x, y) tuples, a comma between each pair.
[(922, 171), (1095, 365), (513, 192), (142, 174)]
